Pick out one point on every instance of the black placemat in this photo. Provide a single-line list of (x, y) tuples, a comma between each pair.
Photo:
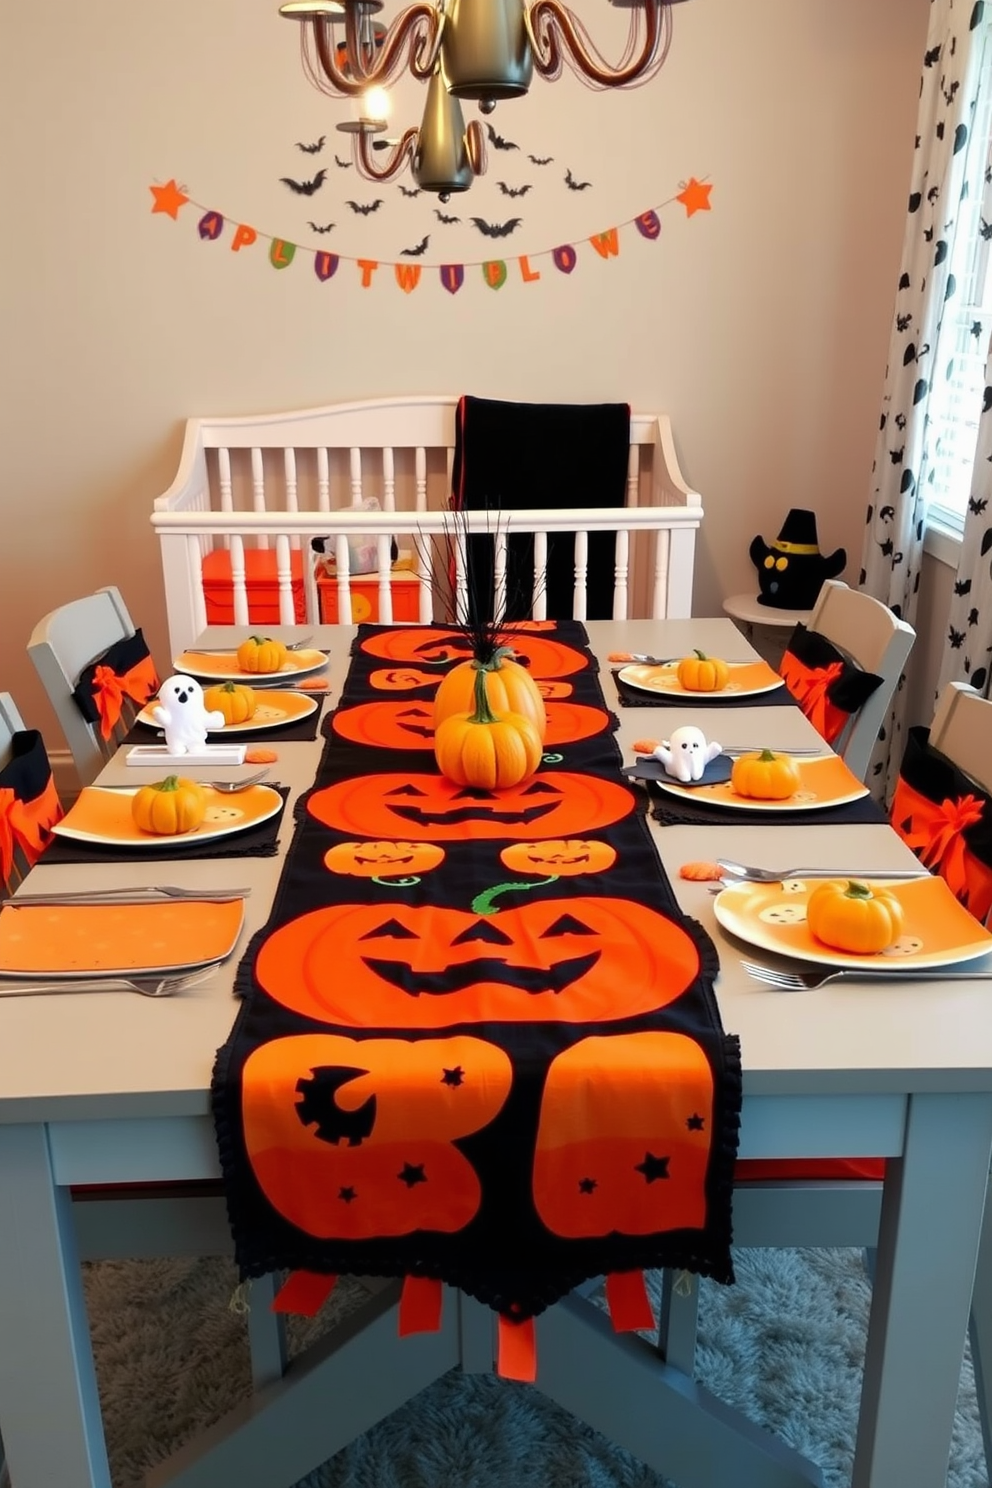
[(261, 841), (672, 811), (632, 697), (301, 730)]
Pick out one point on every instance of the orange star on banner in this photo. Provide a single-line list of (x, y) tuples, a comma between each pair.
[(168, 198), (695, 197)]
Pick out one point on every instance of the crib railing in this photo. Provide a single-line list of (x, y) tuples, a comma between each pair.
[(438, 539)]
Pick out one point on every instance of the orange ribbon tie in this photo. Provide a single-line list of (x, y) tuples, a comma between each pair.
[(809, 688), (25, 824), (941, 844), (110, 690)]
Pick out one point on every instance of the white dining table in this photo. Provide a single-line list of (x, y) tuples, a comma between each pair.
[(108, 1087)]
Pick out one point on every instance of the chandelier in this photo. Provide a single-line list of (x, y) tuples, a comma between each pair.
[(481, 50)]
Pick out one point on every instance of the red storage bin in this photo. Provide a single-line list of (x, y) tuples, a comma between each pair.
[(260, 582), (365, 599)]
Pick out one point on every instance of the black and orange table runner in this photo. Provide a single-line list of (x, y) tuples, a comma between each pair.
[(479, 1041)]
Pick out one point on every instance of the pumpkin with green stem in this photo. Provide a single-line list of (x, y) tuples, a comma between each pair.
[(484, 750)]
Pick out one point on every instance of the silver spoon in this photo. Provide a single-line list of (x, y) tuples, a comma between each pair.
[(748, 873)]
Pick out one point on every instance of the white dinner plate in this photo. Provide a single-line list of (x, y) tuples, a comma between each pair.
[(101, 815), (747, 679), (274, 710), (825, 781), (222, 666), (937, 931)]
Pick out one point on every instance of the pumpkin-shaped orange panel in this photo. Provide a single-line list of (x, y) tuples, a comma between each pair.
[(410, 725), (623, 1139), (558, 803), (352, 1139), (571, 960), (383, 859), (424, 647)]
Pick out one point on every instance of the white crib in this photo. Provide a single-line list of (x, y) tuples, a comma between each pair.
[(235, 526)]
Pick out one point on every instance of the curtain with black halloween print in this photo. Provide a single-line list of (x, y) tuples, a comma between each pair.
[(479, 1041), (920, 351), (967, 653)]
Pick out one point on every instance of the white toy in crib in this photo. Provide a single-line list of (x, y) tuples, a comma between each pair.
[(181, 714), (686, 754)]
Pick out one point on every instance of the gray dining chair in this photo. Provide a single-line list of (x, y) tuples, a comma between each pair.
[(869, 634), (826, 1212), (63, 643)]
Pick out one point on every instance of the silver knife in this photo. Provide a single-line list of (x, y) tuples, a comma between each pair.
[(162, 893)]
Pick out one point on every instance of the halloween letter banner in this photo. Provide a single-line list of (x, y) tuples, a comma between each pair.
[(213, 227), (479, 1042)]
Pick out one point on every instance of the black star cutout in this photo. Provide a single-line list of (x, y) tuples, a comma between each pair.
[(652, 1167), (454, 1076), (587, 1185), (347, 1194), (695, 1123), (412, 1173)]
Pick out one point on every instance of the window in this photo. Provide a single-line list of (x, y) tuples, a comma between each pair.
[(956, 402)]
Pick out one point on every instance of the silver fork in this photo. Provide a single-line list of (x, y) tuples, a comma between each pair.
[(164, 986), (299, 645), (806, 981)]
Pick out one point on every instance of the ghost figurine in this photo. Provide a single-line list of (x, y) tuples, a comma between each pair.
[(686, 754), (181, 713)]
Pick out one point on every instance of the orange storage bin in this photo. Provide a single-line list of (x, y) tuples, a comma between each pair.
[(365, 599), (260, 581)]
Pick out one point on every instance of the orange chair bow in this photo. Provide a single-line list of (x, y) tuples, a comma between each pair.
[(938, 842), (110, 690), (25, 825), (809, 687)]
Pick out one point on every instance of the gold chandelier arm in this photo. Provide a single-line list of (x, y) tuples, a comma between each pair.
[(418, 27), (555, 36), (394, 163), (475, 146)]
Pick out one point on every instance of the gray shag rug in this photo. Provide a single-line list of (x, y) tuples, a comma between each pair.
[(785, 1345)]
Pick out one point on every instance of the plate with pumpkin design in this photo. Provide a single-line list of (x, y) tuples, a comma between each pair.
[(102, 814), (824, 781), (744, 679), (274, 709), (935, 929), (223, 666)]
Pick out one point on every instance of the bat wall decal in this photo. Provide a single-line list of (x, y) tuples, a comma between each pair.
[(541, 159), (497, 229), (313, 149), (407, 192), (317, 227), (573, 184), (344, 164), (364, 208), (305, 188), (442, 217), (420, 248), (498, 142), (512, 190)]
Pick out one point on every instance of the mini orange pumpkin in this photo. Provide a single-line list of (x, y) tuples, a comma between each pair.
[(854, 917), (261, 654), (765, 775), (169, 807), (235, 700), (330, 1120), (484, 749), (573, 960), (702, 673)]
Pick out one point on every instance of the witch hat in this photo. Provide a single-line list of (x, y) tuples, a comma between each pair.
[(791, 570)]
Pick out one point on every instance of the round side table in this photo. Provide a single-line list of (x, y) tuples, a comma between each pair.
[(766, 628)]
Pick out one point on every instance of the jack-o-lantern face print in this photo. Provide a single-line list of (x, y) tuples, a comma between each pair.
[(571, 960), (410, 725), (429, 648), (401, 679), (551, 804), (383, 859), (352, 1139), (562, 859), (624, 1136)]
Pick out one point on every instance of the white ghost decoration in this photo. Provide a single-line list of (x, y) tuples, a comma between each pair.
[(181, 713), (686, 754)]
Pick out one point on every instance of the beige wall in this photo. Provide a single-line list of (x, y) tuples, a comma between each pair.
[(761, 327)]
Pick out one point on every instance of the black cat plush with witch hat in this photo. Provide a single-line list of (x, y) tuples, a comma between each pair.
[(792, 568)]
